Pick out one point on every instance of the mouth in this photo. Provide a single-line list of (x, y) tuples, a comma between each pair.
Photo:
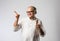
[(29, 14)]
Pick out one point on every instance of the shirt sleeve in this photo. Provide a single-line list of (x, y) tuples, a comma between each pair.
[(42, 30), (19, 26)]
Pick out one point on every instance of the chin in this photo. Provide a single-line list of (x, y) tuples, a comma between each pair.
[(29, 16)]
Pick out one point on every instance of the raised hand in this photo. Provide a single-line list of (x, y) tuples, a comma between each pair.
[(17, 15), (37, 25), (37, 31)]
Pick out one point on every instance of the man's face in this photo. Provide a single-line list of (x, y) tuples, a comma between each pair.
[(30, 12)]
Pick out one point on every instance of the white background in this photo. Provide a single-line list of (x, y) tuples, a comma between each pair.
[(47, 11)]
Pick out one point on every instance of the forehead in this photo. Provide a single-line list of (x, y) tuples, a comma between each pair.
[(30, 9)]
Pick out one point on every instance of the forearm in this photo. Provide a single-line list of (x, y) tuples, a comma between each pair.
[(42, 33), (16, 23), (40, 29)]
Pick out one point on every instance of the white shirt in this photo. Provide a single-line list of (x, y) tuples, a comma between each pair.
[(28, 27)]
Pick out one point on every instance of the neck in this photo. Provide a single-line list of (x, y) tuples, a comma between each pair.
[(32, 18)]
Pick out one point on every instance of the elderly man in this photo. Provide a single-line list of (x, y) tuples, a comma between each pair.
[(31, 26)]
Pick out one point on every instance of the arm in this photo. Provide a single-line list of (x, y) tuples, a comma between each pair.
[(40, 28), (15, 24), (42, 33)]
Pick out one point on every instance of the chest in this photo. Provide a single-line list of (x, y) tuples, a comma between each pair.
[(29, 26)]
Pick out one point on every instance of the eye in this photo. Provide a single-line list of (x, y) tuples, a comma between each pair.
[(29, 11)]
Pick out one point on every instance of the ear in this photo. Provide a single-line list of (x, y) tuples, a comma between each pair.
[(35, 12)]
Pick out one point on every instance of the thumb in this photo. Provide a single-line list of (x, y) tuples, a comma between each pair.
[(36, 22)]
